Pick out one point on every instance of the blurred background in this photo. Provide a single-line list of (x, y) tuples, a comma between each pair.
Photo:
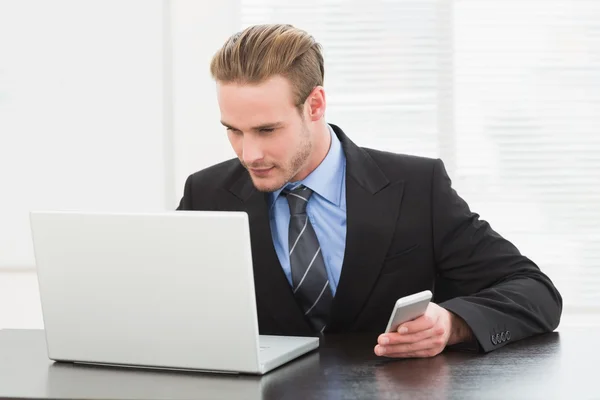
[(108, 105)]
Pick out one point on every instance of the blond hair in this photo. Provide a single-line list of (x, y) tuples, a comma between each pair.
[(263, 51)]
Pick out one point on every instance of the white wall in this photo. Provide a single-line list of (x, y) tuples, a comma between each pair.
[(200, 139), (20, 305), (81, 112), (105, 105)]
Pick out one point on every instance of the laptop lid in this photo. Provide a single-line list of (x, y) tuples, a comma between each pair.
[(172, 289)]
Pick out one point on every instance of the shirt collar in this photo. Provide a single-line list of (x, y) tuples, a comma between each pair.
[(327, 179)]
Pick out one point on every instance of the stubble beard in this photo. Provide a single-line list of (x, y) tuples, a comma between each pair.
[(291, 170)]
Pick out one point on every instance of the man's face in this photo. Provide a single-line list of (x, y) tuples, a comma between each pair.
[(268, 134)]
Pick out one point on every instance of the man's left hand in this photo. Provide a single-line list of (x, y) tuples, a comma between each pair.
[(426, 336)]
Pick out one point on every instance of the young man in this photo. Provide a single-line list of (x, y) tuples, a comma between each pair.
[(340, 232)]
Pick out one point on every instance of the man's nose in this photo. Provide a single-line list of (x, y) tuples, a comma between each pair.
[(251, 151)]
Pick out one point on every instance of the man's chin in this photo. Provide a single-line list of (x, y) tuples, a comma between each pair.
[(266, 185)]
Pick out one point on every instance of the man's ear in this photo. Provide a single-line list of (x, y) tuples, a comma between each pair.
[(316, 104)]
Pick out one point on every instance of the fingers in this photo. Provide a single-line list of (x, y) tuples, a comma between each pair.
[(425, 336), (419, 354), (397, 338), (424, 322), (433, 343)]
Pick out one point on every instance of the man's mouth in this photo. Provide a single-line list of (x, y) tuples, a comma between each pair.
[(260, 171)]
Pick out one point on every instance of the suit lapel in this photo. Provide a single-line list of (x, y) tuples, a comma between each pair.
[(273, 291), (372, 207)]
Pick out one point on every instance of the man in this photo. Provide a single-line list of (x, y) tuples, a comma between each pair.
[(340, 232)]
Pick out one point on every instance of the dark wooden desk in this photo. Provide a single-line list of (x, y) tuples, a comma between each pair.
[(558, 365)]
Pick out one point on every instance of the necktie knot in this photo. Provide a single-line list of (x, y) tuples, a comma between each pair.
[(298, 199)]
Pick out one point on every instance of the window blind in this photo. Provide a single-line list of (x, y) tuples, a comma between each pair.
[(527, 81), (507, 93), (382, 65)]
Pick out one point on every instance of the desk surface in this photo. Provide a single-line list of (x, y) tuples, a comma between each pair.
[(556, 365)]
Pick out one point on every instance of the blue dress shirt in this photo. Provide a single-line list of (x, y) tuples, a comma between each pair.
[(326, 211)]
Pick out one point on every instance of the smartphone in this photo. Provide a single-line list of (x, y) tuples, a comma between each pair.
[(408, 308)]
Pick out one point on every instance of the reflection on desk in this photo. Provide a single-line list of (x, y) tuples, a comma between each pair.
[(548, 366), (78, 381)]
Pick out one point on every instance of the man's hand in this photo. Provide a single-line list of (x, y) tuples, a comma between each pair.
[(426, 336)]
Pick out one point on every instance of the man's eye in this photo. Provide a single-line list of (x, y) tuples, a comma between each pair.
[(267, 130)]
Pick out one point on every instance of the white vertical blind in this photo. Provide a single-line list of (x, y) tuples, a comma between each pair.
[(527, 76), (382, 65), (506, 92)]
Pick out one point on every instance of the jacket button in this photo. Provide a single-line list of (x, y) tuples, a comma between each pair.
[(507, 335), (503, 337), (494, 341), (498, 338)]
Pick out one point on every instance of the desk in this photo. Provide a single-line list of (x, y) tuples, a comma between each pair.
[(557, 365)]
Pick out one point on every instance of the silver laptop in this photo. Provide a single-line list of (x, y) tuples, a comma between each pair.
[(172, 290)]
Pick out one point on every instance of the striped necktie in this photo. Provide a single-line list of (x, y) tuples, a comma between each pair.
[(309, 275)]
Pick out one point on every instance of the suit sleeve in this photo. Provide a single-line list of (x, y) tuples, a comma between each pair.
[(506, 296), (186, 200)]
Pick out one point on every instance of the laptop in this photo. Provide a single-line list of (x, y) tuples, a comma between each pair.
[(168, 290)]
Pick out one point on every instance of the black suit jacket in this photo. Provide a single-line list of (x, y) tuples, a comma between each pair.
[(407, 231)]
